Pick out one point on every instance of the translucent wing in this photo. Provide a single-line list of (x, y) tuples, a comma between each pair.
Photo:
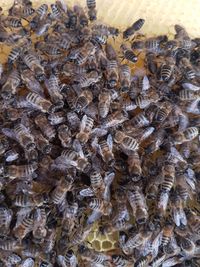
[(83, 123), (9, 133), (145, 83), (190, 86), (87, 192), (110, 141), (96, 215)]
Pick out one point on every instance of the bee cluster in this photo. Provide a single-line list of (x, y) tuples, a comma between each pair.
[(88, 141)]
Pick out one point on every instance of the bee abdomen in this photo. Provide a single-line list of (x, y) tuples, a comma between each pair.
[(168, 183), (130, 56), (190, 74), (166, 72), (187, 95), (91, 4), (95, 204), (130, 143), (191, 133)]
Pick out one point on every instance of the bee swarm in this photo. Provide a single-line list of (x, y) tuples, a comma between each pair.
[(89, 141)]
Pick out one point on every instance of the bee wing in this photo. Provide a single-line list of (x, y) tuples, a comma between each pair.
[(110, 141), (145, 83), (99, 132), (190, 86), (163, 201), (146, 133), (183, 217), (176, 216), (156, 244), (9, 133), (78, 148), (176, 154), (94, 217), (190, 178), (83, 123), (183, 122), (173, 261), (87, 192), (193, 107)]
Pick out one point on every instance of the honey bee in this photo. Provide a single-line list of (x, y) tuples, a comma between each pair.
[(84, 99), (134, 166), (110, 52), (38, 102), (128, 54), (168, 231), (83, 20), (151, 63), (104, 103), (125, 77), (92, 13), (34, 64), (12, 22), (100, 206), (14, 55), (85, 129), (25, 139), (23, 200), (69, 69), (65, 135), (46, 128), (30, 81), (81, 55), (127, 143), (114, 119), (185, 136), (188, 69), (59, 193), (68, 260), (136, 26), (112, 73), (24, 227), (163, 112), (49, 240), (178, 213), (92, 256), (138, 205), (80, 234), (87, 79), (42, 143), (135, 241), (39, 230), (52, 85), (10, 86), (105, 147), (167, 68), (16, 171)]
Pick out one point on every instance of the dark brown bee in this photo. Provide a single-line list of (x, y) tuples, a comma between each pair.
[(92, 13), (45, 127), (38, 102), (136, 26), (112, 73), (83, 20), (128, 54)]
